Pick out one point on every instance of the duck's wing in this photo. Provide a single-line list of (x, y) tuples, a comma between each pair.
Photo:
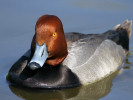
[(84, 45), (96, 56), (80, 51), (95, 59)]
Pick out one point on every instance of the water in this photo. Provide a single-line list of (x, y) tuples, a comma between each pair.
[(17, 22)]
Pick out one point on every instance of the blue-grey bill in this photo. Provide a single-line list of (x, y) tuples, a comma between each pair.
[(39, 57)]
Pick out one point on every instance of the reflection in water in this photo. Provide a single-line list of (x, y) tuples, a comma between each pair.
[(127, 63), (92, 91)]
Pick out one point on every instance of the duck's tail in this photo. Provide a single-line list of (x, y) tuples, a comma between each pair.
[(124, 31), (126, 25)]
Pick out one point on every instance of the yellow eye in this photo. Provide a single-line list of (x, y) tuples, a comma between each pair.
[(54, 34)]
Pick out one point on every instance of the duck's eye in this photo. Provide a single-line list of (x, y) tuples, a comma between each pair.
[(54, 34)]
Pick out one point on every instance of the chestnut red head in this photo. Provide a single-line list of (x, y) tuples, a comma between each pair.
[(49, 32)]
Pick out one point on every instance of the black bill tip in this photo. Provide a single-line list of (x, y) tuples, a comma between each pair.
[(34, 65)]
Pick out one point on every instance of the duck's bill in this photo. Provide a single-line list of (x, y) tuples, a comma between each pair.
[(39, 57)]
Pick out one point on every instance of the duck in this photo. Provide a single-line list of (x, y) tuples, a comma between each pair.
[(59, 60)]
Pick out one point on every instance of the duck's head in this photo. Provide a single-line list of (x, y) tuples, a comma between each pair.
[(48, 44)]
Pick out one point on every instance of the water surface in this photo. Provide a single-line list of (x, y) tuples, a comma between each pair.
[(17, 22)]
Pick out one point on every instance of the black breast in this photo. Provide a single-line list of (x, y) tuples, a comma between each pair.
[(46, 77)]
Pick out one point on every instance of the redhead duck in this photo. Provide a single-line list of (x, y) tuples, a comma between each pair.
[(58, 60)]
